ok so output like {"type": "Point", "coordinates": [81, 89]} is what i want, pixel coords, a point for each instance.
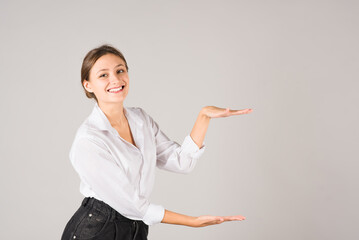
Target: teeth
{"type": "Point", "coordinates": [115, 89]}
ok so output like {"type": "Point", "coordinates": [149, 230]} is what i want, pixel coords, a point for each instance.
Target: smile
{"type": "Point", "coordinates": [116, 90]}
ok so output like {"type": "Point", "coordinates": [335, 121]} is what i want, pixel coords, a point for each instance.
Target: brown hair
{"type": "Point", "coordinates": [90, 59]}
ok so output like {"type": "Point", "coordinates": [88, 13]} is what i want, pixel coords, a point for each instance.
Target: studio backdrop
{"type": "Point", "coordinates": [290, 167]}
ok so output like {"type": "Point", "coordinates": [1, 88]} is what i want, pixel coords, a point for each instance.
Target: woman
{"type": "Point", "coordinates": [115, 152]}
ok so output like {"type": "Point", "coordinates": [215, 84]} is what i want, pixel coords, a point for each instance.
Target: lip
{"type": "Point", "coordinates": [117, 87]}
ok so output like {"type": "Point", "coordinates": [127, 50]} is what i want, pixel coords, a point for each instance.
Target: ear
{"type": "Point", "coordinates": [87, 86]}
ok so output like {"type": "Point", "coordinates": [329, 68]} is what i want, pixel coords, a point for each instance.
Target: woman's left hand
{"type": "Point", "coordinates": [216, 112]}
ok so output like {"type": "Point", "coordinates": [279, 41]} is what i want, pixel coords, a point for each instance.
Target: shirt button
{"type": "Point", "coordinates": [74, 237]}
{"type": "Point", "coordinates": [90, 215]}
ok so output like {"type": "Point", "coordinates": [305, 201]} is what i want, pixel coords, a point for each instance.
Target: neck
{"type": "Point", "coordinates": [114, 113]}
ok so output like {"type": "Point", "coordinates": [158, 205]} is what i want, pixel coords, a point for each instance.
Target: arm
{"type": "Point", "coordinates": [177, 218]}
{"type": "Point", "coordinates": [170, 155]}
{"type": "Point", "coordinates": [200, 128]}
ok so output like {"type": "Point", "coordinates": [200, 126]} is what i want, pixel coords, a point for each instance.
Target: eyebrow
{"type": "Point", "coordinates": [107, 69]}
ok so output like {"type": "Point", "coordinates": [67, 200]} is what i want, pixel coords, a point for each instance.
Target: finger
{"type": "Point", "coordinates": [240, 218]}
{"type": "Point", "coordinates": [235, 218]}
{"type": "Point", "coordinates": [243, 111]}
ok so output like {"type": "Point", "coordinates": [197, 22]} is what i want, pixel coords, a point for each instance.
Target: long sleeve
{"type": "Point", "coordinates": [172, 156]}
{"type": "Point", "coordinates": [96, 166]}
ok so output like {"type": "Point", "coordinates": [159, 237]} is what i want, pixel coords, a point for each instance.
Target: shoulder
{"type": "Point", "coordinates": [87, 130]}
{"type": "Point", "coordinates": [87, 142]}
{"type": "Point", "coordinates": [87, 135]}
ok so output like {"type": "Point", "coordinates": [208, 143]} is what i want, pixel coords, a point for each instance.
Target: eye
{"type": "Point", "coordinates": [103, 75]}
{"type": "Point", "coordinates": [120, 71]}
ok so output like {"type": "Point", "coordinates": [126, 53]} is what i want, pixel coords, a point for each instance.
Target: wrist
{"type": "Point", "coordinates": [203, 113]}
{"type": "Point", "coordinates": [179, 219]}
{"type": "Point", "coordinates": [191, 221]}
{"type": "Point", "coordinates": [194, 222]}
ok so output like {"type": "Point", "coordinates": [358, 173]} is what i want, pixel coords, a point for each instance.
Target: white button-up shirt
{"type": "Point", "coordinates": [122, 175]}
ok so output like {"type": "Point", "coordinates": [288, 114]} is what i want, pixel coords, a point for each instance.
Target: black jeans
{"type": "Point", "coordinates": [97, 220]}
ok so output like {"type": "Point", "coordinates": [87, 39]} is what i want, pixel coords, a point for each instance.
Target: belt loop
{"type": "Point", "coordinates": [86, 201]}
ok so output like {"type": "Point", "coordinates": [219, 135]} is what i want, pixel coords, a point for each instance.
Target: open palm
{"type": "Point", "coordinates": [207, 220]}
{"type": "Point", "coordinates": [216, 112]}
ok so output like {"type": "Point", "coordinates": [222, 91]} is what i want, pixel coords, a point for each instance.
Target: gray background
{"type": "Point", "coordinates": [290, 166]}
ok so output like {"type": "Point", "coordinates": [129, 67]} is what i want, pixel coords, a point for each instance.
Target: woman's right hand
{"type": "Point", "coordinates": [206, 220]}
{"type": "Point", "coordinates": [201, 221]}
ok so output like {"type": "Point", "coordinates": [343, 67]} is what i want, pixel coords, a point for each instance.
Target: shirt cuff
{"type": "Point", "coordinates": [190, 147]}
{"type": "Point", "coordinates": [154, 214]}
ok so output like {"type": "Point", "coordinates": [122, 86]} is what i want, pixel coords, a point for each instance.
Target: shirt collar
{"type": "Point", "coordinates": [99, 120]}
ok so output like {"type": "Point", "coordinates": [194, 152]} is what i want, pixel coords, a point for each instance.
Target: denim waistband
{"type": "Point", "coordinates": [105, 208]}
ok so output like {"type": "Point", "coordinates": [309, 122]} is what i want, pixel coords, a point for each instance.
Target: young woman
{"type": "Point", "coordinates": [115, 152]}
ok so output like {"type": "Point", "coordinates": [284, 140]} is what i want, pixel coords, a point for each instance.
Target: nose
{"type": "Point", "coordinates": [115, 78]}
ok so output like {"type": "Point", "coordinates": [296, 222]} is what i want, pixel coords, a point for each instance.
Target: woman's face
{"type": "Point", "coordinates": [107, 75]}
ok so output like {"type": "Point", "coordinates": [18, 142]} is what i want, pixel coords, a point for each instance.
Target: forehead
{"type": "Point", "coordinates": [108, 61]}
